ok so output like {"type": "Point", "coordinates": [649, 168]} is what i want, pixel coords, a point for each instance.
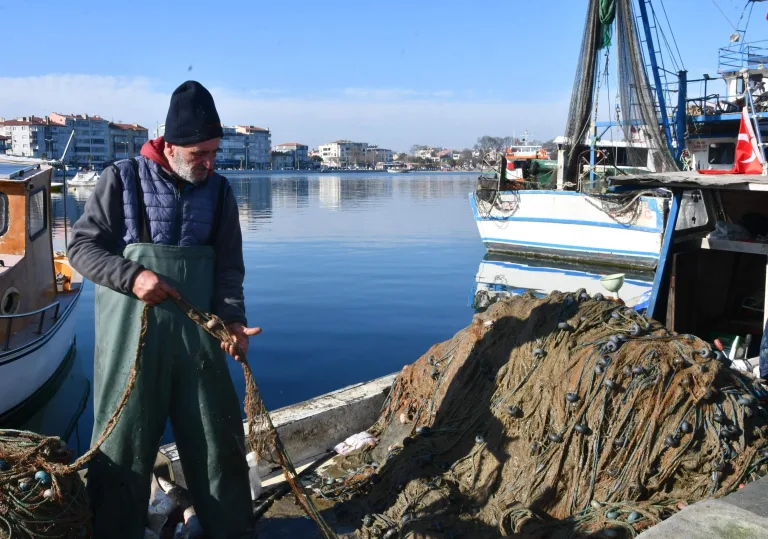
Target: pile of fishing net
{"type": "Point", "coordinates": [41, 494]}
{"type": "Point", "coordinates": [564, 416]}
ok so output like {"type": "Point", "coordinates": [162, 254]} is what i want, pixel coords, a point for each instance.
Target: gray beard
{"type": "Point", "coordinates": [185, 171]}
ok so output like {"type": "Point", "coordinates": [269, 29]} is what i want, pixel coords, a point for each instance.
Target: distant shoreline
{"type": "Point", "coordinates": [333, 172]}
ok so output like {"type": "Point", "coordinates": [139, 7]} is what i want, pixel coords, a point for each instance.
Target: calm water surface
{"type": "Point", "coordinates": [351, 277]}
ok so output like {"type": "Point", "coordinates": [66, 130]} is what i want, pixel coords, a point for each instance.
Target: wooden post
{"type": "Point", "coordinates": [765, 299]}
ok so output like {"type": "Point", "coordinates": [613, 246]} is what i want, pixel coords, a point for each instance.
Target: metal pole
{"type": "Point", "coordinates": [751, 104]}
{"type": "Point", "coordinates": [64, 198]}
{"type": "Point", "coordinates": [655, 70]}
{"type": "Point", "coordinates": [682, 99]}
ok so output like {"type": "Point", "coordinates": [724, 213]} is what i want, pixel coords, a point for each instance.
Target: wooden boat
{"type": "Point", "coordinates": [39, 290]}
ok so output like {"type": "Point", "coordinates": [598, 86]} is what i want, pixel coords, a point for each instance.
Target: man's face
{"type": "Point", "coordinates": [194, 161]}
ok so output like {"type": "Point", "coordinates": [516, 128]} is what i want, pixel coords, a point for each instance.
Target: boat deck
{"type": "Point", "coordinates": [37, 324]}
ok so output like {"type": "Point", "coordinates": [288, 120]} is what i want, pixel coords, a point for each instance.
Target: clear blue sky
{"type": "Point", "coordinates": [396, 73]}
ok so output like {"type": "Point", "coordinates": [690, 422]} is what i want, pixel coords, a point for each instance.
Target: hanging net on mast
{"type": "Point", "coordinates": [640, 113]}
{"type": "Point", "coordinates": [583, 93]}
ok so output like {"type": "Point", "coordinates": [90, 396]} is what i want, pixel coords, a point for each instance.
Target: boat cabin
{"type": "Point", "coordinates": [714, 112]}
{"type": "Point", "coordinates": [27, 272]}
{"type": "Point", "coordinates": [713, 268]}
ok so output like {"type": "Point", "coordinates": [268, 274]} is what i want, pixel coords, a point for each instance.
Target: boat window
{"type": "Point", "coordinates": [4, 220]}
{"type": "Point", "coordinates": [722, 153]}
{"type": "Point", "coordinates": [10, 302]}
{"type": "Point", "coordinates": [38, 218]}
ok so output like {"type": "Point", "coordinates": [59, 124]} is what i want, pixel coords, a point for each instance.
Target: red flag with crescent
{"type": "Point", "coordinates": [749, 157]}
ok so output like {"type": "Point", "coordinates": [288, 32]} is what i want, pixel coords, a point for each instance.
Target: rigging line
{"type": "Point", "coordinates": [674, 40]}
{"type": "Point", "coordinates": [660, 32]}
{"type": "Point", "coordinates": [749, 17]}
{"type": "Point", "coordinates": [669, 50]}
{"type": "Point", "coordinates": [724, 15]}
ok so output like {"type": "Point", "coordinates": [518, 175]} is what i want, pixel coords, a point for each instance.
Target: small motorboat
{"type": "Point", "coordinates": [84, 178]}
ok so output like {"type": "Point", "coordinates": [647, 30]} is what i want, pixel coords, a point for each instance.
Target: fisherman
{"type": "Point", "coordinates": [156, 226]}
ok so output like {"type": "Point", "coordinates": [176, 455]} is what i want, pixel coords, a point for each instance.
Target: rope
{"type": "Point", "coordinates": [41, 496]}
{"type": "Point", "coordinates": [263, 438]}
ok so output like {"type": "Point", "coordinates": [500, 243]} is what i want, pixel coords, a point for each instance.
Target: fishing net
{"type": "Point", "coordinates": [640, 114]}
{"type": "Point", "coordinates": [553, 417]}
{"type": "Point", "coordinates": [582, 94]}
{"type": "Point", "coordinates": [41, 493]}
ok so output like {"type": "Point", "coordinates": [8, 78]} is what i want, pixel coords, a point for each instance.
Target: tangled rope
{"type": "Point", "coordinates": [42, 496]}
{"type": "Point", "coordinates": [555, 417]}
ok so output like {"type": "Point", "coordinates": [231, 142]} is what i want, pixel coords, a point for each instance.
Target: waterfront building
{"type": "Point", "coordinates": [242, 146]}
{"type": "Point", "coordinates": [429, 153]}
{"type": "Point", "coordinates": [5, 144]}
{"type": "Point", "coordinates": [299, 153]}
{"type": "Point", "coordinates": [32, 136]}
{"type": "Point", "coordinates": [377, 156]}
{"type": "Point", "coordinates": [347, 153]}
{"type": "Point", "coordinates": [258, 145]}
{"type": "Point", "coordinates": [126, 140]}
{"type": "Point", "coordinates": [343, 153]}
{"type": "Point", "coordinates": [90, 147]}
{"type": "Point", "coordinates": [283, 160]}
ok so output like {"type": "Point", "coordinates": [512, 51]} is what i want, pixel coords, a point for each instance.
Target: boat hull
{"type": "Point", "coordinates": [568, 225]}
{"type": "Point", "coordinates": [28, 369]}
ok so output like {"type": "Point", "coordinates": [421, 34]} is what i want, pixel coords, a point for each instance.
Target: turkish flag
{"type": "Point", "coordinates": [749, 157]}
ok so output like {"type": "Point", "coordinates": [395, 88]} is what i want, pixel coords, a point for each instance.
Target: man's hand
{"type": "Point", "coordinates": [151, 289]}
{"type": "Point", "coordinates": [240, 335]}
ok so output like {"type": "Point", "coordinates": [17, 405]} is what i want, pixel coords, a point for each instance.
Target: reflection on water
{"type": "Point", "coordinates": [501, 276]}
{"type": "Point", "coordinates": [351, 277]}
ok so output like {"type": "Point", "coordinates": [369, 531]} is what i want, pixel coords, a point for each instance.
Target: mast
{"type": "Point", "coordinates": [655, 70]}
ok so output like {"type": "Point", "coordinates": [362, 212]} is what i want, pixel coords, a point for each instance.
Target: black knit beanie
{"type": "Point", "coordinates": [192, 116]}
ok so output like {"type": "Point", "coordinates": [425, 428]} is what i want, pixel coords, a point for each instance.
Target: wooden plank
{"type": "Point", "coordinates": [765, 298]}
{"type": "Point", "coordinates": [735, 246]}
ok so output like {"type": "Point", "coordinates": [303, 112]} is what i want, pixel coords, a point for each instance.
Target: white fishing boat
{"type": "Point", "coordinates": [84, 178]}
{"type": "Point", "coordinates": [576, 217]}
{"type": "Point", "coordinates": [39, 290]}
{"type": "Point", "coordinates": [397, 168]}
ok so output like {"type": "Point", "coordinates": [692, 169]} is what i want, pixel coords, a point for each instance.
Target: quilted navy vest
{"type": "Point", "coordinates": [185, 218]}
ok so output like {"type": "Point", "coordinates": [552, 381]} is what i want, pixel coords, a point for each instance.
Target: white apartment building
{"type": "Point", "coordinates": [32, 136]}
{"type": "Point", "coordinates": [244, 146]}
{"type": "Point", "coordinates": [342, 153]}
{"type": "Point", "coordinates": [427, 153]}
{"type": "Point", "coordinates": [347, 153]}
{"type": "Point", "coordinates": [90, 147]}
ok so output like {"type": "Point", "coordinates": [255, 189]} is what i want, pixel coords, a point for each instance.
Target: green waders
{"type": "Point", "coordinates": [183, 377]}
